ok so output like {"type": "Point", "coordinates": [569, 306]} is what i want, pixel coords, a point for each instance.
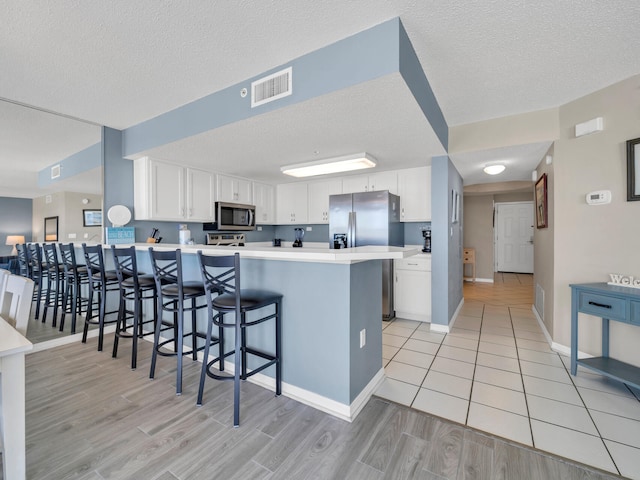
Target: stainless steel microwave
{"type": "Point", "coordinates": [233, 216]}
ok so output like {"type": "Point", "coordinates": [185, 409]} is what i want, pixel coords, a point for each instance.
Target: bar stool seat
{"type": "Point", "coordinates": [224, 296]}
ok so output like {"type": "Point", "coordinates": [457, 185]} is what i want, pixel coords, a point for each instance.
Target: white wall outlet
{"type": "Point", "coordinates": [363, 337]}
{"type": "Point", "coordinates": [259, 228]}
{"type": "Point", "coordinates": [86, 235]}
{"type": "Point", "coordinates": [309, 229]}
{"type": "Point", "coordinates": [72, 235]}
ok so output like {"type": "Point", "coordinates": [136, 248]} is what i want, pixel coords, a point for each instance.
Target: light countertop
{"type": "Point", "coordinates": [310, 252]}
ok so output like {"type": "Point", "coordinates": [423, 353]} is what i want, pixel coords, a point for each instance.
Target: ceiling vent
{"type": "Point", "coordinates": [55, 171]}
{"type": "Point", "coordinates": [271, 87]}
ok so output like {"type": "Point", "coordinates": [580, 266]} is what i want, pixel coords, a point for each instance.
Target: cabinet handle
{"type": "Point", "coordinates": [596, 304]}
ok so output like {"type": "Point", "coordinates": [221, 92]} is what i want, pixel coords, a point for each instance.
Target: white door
{"type": "Point", "coordinates": [514, 237]}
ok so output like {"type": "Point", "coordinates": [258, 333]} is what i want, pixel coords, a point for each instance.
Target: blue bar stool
{"type": "Point", "coordinates": [101, 282]}
{"type": "Point", "coordinates": [221, 278]}
{"type": "Point", "coordinates": [177, 297]}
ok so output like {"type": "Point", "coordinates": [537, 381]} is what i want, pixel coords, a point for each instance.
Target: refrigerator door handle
{"type": "Point", "coordinates": [351, 230]}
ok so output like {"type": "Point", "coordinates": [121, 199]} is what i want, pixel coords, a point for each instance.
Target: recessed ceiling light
{"type": "Point", "coordinates": [494, 169]}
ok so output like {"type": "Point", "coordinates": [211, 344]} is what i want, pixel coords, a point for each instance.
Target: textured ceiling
{"type": "Point", "coordinates": [120, 62]}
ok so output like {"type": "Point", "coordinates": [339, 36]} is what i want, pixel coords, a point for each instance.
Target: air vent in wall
{"type": "Point", "coordinates": [271, 87]}
{"type": "Point", "coordinates": [55, 171]}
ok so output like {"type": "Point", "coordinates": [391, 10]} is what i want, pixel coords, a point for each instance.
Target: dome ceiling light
{"type": "Point", "coordinates": [494, 169]}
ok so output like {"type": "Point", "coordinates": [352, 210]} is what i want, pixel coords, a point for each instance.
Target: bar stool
{"type": "Point", "coordinates": [173, 295]}
{"type": "Point", "coordinates": [55, 283]}
{"type": "Point", "coordinates": [75, 277]}
{"type": "Point", "coordinates": [38, 274]}
{"type": "Point", "coordinates": [136, 287]}
{"type": "Point", "coordinates": [224, 295]}
{"type": "Point", "coordinates": [101, 282]}
{"type": "Point", "coordinates": [24, 269]}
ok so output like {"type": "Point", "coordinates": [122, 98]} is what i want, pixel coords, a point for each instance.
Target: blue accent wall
{"type": "Point", "coordinates": [16, 218]}
{"type": "Point", "coordinates": [79, 162]}
{"type": "Point", "coordinates": [446, 241]}
{"type": "Point", "coordinates": [413, 74]}
{"type": "Point", "coordinates": [364, 56]}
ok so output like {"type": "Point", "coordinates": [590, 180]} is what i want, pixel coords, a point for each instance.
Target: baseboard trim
{"type": "Point", "coordinates": [556, 347]}
{"type": "Point", "coordinates": [332, 407]}
{"type": "Point", "coordinates": [479, 280]}
{"type": "Point", "coordinates": [437, 328]}
{"type": "Point", "coordinates": [67, 339]}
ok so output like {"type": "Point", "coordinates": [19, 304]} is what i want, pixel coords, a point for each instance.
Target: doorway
{"type": "Point", "coordinates": [514, 237]}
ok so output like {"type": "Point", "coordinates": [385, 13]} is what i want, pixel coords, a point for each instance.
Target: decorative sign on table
{"type": "Point", "coordinates": [624, 280]}
{"type": "Point", "coordinates": [120, 235]}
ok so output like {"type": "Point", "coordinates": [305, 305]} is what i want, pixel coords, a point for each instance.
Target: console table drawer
{"type": "Point", "coordinates": [603, 306]}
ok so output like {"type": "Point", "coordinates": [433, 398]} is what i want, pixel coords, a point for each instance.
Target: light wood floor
{"type": "Point", "coordinates": [91, 417]}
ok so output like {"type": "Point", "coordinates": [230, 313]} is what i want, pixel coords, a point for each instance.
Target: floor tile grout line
{"type": "Point", "coordinates": [524, 391]}
{"type": "Point", "coordinates": [475, 366]}
{"type": "Point", "coordinates": [591, 417]}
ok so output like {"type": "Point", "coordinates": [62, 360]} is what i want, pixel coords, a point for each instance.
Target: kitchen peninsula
{"type": "Point", "coordinates": [330, 298]}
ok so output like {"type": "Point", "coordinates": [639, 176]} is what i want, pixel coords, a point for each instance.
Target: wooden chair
{"type": "Point", "coordinates": [16, 302]}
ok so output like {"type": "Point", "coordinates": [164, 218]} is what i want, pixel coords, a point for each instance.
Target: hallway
{"type": "Point", "coordinates": [496, 372]}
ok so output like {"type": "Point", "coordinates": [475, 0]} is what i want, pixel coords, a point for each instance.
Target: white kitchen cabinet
{"type": "Point", "coordinates": [263, 198]}
{"type": "Point", "coordinates": [412, 289]}
{"type": "Point", "coordinates": [234, 189]}
{"type": "Point", "coordinates": [318, 195]}
{"type": "Point", "coordinates": [371, 183]}
{"type": "Point", "coordinates": [166, 191]}
{"type": "Point", "coordinates": [414, 189]}
{"type": "Point", "coordinates": [291, 203]}
{"type": "Point", "coordinates": [200, 195]}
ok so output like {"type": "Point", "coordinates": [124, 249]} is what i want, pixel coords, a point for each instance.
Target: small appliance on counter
{"type": "Point", "coordinates": [339, 240]}
{"type": "Point", "coordinates": [426, 234]}
{"type": "Point", "coordinates": [184, 235]}
{"type": "Point", "coordinates": [299, 232]}
{"type": "Point", "coordinates": [226, 239]}
{"type": "Point", "coordinates": [277, 242]}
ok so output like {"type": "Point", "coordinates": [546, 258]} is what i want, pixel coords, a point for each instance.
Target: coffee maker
{"type": "Point", "coordinates": [426, 234]}
{"type": "Point", "coordinates": [299, 233]}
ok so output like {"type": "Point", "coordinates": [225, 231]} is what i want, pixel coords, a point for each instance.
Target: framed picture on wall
{"type": "Point", "coordinates": [541, 202]}
{"type": "Point", "coordinates": [91, 218]}
{"type": "Point", "coordinates": [633, 170]}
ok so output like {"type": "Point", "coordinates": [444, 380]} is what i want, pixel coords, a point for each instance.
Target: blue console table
{"type": "Point", "coordinates": [610, 302]}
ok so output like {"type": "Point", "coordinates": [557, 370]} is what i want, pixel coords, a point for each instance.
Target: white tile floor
{"type": "Point", "coordinates": [496, 372]}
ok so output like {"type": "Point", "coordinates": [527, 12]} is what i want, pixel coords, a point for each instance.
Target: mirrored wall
{"type": "Point", "coordinates": [50, 168]}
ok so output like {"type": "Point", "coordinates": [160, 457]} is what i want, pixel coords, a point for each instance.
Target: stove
{"type": "Point", "coordinates": [226, 239]}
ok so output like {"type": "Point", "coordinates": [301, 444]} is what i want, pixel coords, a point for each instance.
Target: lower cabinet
{"type": "Point", "coordinates": [412, 289]}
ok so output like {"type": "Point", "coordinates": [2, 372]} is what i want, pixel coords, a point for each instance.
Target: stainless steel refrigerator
{"type": "Point", "coordinates": [368, 218]}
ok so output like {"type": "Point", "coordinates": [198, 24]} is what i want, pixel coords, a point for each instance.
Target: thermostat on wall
{"type": "Point", "coordinates": [599, 198]}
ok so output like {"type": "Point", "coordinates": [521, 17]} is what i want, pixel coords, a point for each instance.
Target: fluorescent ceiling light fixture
{"type": "Point", "coordinates": [330, 165]}
{"type": "Point", "coordinates": [494, 169]}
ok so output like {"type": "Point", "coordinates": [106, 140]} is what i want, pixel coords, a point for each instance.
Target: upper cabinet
{"type": "Point", "coordinates": [164, 191]}
{"type": "Point", "coordinates": [291, 203]}
{"type": "Point", "coordinates": [371, 183]}
{"type": "Point", "coordinates": [318, 194]}
{"type": "Point", "coordinates": [263, 198]}
{"type": "Point", "coordinates": [200, 195]}
{"type": "Point", "coordinates": [414, 189]}
{"type": "Point", "coordinates": [234, 189]}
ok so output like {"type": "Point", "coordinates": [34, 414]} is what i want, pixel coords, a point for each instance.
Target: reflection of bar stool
{"type": "Point", "coordinates": [136, 287]}
{"type": "Point", "coordinates": [225, 296]}
{"type": "Point", "coordinates": [75, 277]}
{"type": "Point", "coordinates": [101, 282]}
{"type": "Point", "coordinates": [55, 284]}
{"type": "Point", "coordinates": [173, 294]}
{"type": "Point", "coordinates": [469, 258]}
{"type": "Point", "coordinates": [38, 274]}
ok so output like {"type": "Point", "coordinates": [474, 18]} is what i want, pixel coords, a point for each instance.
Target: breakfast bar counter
{"type": "Point", "coordinates": [331, 314]}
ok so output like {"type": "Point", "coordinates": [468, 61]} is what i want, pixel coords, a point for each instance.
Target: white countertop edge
{"type": "Point", "coordinates": [304, 254]}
